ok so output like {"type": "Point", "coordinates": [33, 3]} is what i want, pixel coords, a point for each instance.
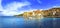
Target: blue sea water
{"type": "Point", "coordinates": [20, 22]}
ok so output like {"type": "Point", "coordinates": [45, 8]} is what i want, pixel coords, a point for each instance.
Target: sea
{"type": "Point", "coordinates": [20, 22]}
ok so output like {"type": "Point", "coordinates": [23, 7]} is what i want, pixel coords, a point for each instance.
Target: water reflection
{"type": "Point", "coordinates": [13, 22]}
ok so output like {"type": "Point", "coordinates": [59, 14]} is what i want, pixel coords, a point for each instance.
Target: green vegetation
{"type": "Point", "coordinates": [19, 15]}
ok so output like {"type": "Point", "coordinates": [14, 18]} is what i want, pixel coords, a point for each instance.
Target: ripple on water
{"type": "Point", "coordinates": [21, 22]}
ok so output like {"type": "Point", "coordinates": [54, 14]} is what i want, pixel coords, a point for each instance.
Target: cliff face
{"type": "Point", "coordinates": [53, 12]}
{"type": "Point", "coordinates": [36, 14]}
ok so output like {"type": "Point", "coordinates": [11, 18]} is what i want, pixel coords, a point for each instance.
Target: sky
{"type": "Point", "coordinates": [15, 7]}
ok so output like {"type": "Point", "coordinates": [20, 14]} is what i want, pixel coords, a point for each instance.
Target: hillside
{"type": "Point", "coordinates": [52, 12]}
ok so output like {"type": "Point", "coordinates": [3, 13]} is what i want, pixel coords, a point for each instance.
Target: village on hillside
{"type": "Point", "coordinates": [52, 12]}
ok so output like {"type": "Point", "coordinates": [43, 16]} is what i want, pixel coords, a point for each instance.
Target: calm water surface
{"type": "Point", "coordinates": [19, 22]}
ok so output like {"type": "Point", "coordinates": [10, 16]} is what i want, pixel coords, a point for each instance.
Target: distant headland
{"type": "Point", "coordinates": [52, 12]}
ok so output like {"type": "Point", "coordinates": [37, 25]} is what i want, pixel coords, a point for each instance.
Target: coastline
{"type": "Point", "coordinates": [52, 12]}
{"type": "Point", "coordinates": [53, 16]}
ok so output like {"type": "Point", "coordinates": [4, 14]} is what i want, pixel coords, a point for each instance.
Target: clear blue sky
{"type": "Point", "coordinates": [24, 5]}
